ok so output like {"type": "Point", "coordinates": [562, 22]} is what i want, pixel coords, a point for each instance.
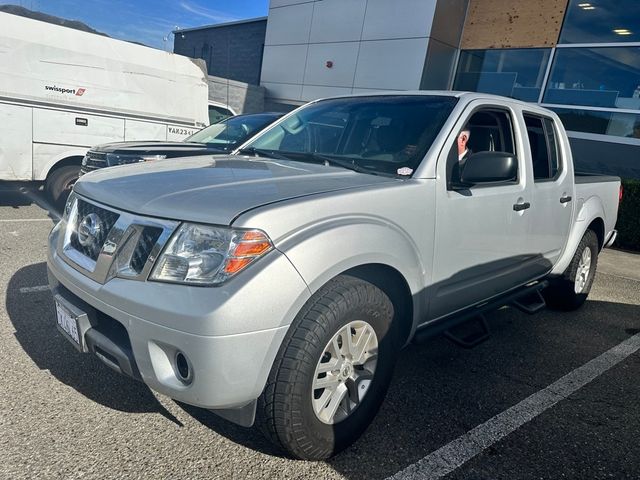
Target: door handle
{"type": "Point", "coordinates": [565, 199]}
{"type": "Point", "coordinates": [521, 206]}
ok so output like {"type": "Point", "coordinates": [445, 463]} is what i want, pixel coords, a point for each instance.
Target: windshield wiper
{"type": "Point", "coordinates": [313, 157]}
{"type": "Point", "coordinates": [339, 162]}
{"type": "Point", "coordinates": [336, 161]}
{"type": "Point", "coordinates": [262, 152]}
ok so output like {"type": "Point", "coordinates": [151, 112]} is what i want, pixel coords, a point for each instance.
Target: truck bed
{"type": "Point", "coordinates": [582, 178]}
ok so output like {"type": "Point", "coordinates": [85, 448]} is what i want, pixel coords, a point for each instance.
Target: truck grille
{"type": "Point", "coordinates": [104, 243]}
{"type": "Point", "coordinates": [92, 225]}
{"type": "Point", "coordinates": [93, 161]}
{"type": "Point", "coordinates": [146, 242]}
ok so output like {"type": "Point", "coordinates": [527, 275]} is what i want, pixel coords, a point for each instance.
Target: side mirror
{"type": "Point", "coordinates": [490, 167]}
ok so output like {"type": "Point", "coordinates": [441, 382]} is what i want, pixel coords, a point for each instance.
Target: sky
{"type": "Point", "coordinates": [147, 21]}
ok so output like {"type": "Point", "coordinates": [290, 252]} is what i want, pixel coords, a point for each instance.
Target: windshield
{"type": "Point", "coordinates": [231, 132]}
{"type": "Point", "coordinates": [377, 134]}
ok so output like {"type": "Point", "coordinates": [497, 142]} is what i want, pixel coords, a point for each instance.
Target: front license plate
{"type": "Point", "coordinates": [68, 323]}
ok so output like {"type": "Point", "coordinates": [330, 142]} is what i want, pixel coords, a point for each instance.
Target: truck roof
{"type": "Point", "coordinates": [469, 96]}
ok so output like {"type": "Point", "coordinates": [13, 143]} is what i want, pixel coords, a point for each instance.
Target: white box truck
{"type": "Point", "coordinates": [63, 91]}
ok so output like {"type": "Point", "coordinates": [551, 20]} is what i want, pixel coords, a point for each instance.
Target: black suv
{"type": "Point", "coordinates": [220, 137]}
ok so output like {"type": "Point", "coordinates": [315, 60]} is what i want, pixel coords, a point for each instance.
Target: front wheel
{"type": "Point", "coordinates": [332, 371]}
{"type": "Point", "coordinates": [571, 290]}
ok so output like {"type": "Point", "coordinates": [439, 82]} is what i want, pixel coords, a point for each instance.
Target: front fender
{"type": "Point", "coordinates": [325, 250]}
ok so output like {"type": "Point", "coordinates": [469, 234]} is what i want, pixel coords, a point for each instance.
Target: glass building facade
{"type": "Point", "coordinates": [591, 78]}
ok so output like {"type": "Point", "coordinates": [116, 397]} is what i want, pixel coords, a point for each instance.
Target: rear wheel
{"type": "Point", "coordinates": [332, 372]}
{"type": "Point", "coordinates": [60, 182]}
{"type": "Point", "coordinates": [571, 290]}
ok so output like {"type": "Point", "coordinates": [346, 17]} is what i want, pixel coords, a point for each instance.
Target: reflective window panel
{"type": "Point", "coordinates": [604, 123]}
{"type": "Point", "coordinates": [604, 21]}
{"type": "Point", "coordinates": [516, 73]}
{"type": "Point", "coordinates": [600, 77]}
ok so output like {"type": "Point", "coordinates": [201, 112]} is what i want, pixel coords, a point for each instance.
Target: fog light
{"type": "Point", "coordinates": [183, 369]}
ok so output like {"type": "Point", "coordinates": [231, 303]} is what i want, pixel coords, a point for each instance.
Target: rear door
{"type": "Point", "coordinates": [552, 205]}
{"type": "Point", "coordinates": [481, 245]}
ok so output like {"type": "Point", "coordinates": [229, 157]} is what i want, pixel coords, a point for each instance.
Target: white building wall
{"type": "Point", "coordinates": [372, 44]}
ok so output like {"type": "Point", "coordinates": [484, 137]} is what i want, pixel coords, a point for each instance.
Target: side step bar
{"type": "Point", "coordinates": [527, 299]}
{"type": "Point", "coordinates": [530, 303]}
{"type": "Point", "coordinates": [474, 336]}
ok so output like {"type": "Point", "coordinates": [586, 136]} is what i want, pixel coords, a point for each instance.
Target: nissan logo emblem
{"type": "Point", "coordinates": [89, 229]}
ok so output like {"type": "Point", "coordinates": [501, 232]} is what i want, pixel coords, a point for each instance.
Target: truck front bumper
{"type": "Point", "coordinates": [228, 335]}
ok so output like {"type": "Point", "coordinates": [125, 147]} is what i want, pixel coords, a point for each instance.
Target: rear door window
{"type": "Point", "coordinates": [543, 143]}
{"type": "Point", "coordinates": [554, 150]}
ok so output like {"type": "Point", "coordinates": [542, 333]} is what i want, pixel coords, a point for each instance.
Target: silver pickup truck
{"type": "Point", "coordinates": [277, 285]}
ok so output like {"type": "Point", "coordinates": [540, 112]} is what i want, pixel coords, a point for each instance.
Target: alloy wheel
{"type": "Point", "coordinates": [344, 372]}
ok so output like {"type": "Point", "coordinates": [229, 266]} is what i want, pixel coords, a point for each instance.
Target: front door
{"type": "Point", "coordinates": [481, 246]}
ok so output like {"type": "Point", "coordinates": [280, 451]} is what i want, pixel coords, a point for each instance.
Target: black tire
{"type": "Point", "coordinates": [561, 293]}
{"type": "Point", "coordinates": [285, 412]}
{"type": "Point", "coordinates": [60, 182]}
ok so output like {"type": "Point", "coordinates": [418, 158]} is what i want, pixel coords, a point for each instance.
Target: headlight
{"type": "Point", "coordinates": [71, 199]}
{"type": "Point", "coordinates": [125, 159]}
{"type": "Point", "coordinates": [207, 255]}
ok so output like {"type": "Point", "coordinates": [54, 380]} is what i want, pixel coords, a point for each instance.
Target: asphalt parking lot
{"type": "Point", "coordinates": [66, 415]}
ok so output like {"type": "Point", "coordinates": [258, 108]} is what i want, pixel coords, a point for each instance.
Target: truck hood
{"type": "Point", "coordinates": [214, 189]}
{"type": "Point", "coordinates": [170, 149]}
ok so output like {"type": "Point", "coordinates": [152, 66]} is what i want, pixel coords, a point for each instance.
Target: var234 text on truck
{"type": "Point", "coordinates": [278, 284]}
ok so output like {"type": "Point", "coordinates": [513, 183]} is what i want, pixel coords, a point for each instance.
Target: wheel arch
{"type": "Point", "coordinates": [590, 216]}
{"type": "Point", "coordinates": [597, 225]}
{"type": "Point", "coordinates": [69, 158]}
{"type": "Point", "coordinates": [368, 248]}
{"type": "Point", "coordinates": [395, 286]}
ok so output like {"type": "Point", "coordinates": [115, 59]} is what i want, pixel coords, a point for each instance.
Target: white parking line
{"type": "Point", "coordinates": [456, 453]}
{"type": "Point", "coordinates": [38, 288]}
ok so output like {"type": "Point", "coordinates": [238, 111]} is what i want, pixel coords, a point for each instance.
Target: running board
{"type": "Point", "coordinates": [528, 297]}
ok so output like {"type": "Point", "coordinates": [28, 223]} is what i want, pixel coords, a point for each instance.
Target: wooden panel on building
{"type": "Point", "coordinates": [513, 23]}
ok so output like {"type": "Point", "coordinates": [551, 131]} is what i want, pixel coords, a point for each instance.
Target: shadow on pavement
{"type": "Point", "coordinates": [16, 195]}
{"type": "Point", "coordinates": [12, 195]}
{"type": "Point", "coordinates": [247, 437]}
{"type": "Point", "coordinates": [33, 317]}
{"type": "Point", "coordinates": [440, 391]}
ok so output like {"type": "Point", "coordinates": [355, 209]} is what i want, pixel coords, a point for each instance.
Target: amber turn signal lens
{"type": "Point", "coordinates": [251, 249]}
{"type": "Point", "coordinates": [234, 265]}
{"type": "Point", "coordinates": [253, 235]}
{"type": "Point", "coordinates": [250, 246]}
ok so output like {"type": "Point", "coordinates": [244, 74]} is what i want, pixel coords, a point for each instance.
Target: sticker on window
{"type": "Point", "coordinates": [405, 171]}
